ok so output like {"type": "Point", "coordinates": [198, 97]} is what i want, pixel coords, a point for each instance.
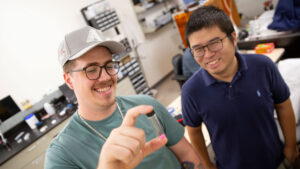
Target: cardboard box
{"type": "Point", "coordinates": [264, 48]}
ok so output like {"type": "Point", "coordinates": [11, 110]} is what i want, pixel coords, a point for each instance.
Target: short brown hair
{"type": "Point", "coordinates": [68, 65]}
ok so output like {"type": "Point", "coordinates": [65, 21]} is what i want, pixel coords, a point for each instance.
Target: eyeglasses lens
{"type": "Point", "coordinates": [94, 72]}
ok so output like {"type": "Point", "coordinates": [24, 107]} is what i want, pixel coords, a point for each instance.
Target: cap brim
{"type": "Point", "coordinates": [113, 46]}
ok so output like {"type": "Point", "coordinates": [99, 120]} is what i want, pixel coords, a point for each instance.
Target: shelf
{"type": "Point", "coordinates": [121, 56]}
{"type": "Point", "coordinates": [148, 30]}
{"type": "Point", "coordinates": [140, 9]}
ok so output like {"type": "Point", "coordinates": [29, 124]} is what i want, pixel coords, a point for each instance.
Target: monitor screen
{"type": "Point", "coordinates": [68, 93]}
{"type": "Point", "coordinates": [189, 2]}
{"type": "Point", "coordinates": [8, 108]}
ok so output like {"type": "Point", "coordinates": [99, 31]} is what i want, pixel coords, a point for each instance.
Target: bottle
{"type": "Point", "coordinates": [49, 108]}
{"type": "Point", "coordinates": [4, 142]}
{"type": "Point", "coordinates": [31, 120]}
{"type": "Point", "coordinates": [156, 125]}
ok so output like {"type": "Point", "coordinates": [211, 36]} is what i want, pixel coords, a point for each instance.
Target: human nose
{"type": "Point", "coordinates": [103, 74]}
{"type": "Point", "coordinates": [207, 52]}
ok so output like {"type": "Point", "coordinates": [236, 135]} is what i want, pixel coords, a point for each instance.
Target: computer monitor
{"type": "Point", "coordinates": [8, 108]}
{"type": "Point", "coordinates": [188, 2]}
{"type": "Point", "coordinates": [68, 93]}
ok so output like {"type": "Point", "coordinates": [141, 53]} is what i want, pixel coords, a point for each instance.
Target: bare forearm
{"type": "Point", "coordinates": [288, 128]}
{"type": "Point", "coordinates": [186, 154]}
{"type": "Point", "coordinates": [190, 160]}
{"type": "Point", "coordinates": [190, 165]}
{"type": "Point", "coordinates": [109, 166]}
{"type": "Point", "coordinates": [287, 123]}
{"type": "Point", "coordinates": [198, 143]}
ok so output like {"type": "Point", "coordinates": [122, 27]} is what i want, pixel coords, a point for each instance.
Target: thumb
{"type": "Point", "coordinates": [155, 144]}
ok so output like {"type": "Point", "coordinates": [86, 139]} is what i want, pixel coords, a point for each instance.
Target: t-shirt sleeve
{"type": "Point", "coordinates": [190, 111]}
{"type": "Point", "coordinates": [173, 130]}
{"type": "Point", "coordinates": [279, 88]}
{"type": "Point", "coordinates": [56, 160]}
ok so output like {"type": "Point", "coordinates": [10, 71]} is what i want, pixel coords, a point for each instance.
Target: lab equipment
{"type": "Point", "coordinates": [155, 123]}
{"type": "Point", "coordinates": [49, 108]}
{"type": "Point", "coordinates": [31, 120]}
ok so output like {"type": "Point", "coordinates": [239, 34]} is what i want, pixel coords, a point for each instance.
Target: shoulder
{"type": "Point", "coordinates": [257, 59]}
{"type": "Point", "coordinates": [67, 134]}
{"type": "Point", "coordinates": [58, 147]}
{"type": "Point", "coordinates": [260, 63]}
{"type": "Point", "coordinates": [63, 144]}
{"type": "Point", "coordinates": [195, 81]}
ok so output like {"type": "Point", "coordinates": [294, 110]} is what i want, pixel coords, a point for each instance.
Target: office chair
{"type": "Point", "coordinates": [177, 65]}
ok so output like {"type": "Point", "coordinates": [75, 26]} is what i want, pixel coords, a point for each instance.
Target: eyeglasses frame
{"type": "Point", "coordinates": [206, 46]}
{"type": "Point", "coordinates": [104, 66]}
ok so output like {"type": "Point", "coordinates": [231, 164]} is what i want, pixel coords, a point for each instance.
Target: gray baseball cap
{"type": "Point", "coordinates": [80, 41]}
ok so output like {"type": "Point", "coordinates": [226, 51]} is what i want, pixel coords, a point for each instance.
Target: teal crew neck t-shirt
{"type": "Point", "coordinates": [77, 146]}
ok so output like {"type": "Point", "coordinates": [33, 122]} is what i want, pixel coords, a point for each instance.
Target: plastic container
{"type": "Point", "coordinates": [31, 120]}
{"type": "Point", "coordinates": [49, 108]}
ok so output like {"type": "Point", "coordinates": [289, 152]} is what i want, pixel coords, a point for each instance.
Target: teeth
{"type": "Point", "coordinates": [103, 89]}
{"type": "Point", "coordinates": [213, 62]}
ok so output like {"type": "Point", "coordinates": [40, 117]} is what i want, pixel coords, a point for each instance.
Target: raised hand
{"type": "Point", "coordinates": [125, 148]}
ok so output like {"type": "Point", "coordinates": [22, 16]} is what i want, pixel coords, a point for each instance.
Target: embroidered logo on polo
{"type": "Point", "coordinates": [258, 93]}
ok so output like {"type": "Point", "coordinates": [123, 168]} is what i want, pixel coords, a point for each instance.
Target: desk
{"type": "Point", "coordinates": [280, 41]}
{"type": "Point", "coordinates": [30, 154]}
{"type": "Point", "coordinates": [176, 104]}
{"type": "Point", "coordinates": [275, 55]}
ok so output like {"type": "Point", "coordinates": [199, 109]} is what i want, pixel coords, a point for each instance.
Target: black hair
{"type": "Point", "coordinates": [208, 16]}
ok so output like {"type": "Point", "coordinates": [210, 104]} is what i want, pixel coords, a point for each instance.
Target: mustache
{"type": "Point", "coordinates": [104, 83]}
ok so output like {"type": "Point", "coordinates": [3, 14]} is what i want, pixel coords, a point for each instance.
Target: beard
{"type": "Point", "coordinates": [108, 103]}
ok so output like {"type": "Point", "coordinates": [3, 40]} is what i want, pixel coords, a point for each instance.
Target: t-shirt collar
{"type": "Point", "coordinates": [209, 80]}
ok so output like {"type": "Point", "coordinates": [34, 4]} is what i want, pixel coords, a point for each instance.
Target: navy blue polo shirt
{"type": "Point", "coordinates": [239, 115]}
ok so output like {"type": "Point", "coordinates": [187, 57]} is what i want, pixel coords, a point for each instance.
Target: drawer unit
{"type": "Point", "coordinates": [133, 70]}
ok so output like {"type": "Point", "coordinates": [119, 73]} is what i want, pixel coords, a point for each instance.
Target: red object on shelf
{"type": "Point", "coordinates": [264, 48]}
{"type": "Point", "coordinates": [268, 3]}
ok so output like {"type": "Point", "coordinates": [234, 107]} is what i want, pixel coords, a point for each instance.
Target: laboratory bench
{"type": "Point", "coordinates": [26, 147]}
{"type": "Point", "coordinates": [282, 40]}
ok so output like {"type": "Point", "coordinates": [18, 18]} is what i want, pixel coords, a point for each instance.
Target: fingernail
{"type": "Point", "coordinates": [163, 136]}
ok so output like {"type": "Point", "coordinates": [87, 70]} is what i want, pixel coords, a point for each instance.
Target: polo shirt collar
{"type": "Point", "coordinates": [209, 80]}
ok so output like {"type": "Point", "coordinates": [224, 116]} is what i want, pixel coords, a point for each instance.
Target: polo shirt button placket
{"type": "Point", "coordinates": [230, 92]}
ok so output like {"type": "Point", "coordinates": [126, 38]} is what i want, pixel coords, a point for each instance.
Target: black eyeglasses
{"type": "Point", "coordinates": [214, 46]}
{"type": "Point", "coordinates": [93, 72]}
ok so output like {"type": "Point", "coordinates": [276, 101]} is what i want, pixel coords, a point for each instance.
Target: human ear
{"type": "Point", "coordinates": [68, 80]}
{"type": "Point", "coordinates": [234, 38]}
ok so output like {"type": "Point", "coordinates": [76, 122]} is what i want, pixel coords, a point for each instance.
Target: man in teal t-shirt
{"type": "Point", "coordinates": [77, 138]}
{"type": "Point", "coordinates": [110, 132]}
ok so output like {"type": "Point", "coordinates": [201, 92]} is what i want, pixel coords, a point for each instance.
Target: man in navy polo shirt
{"type": "Point", "coordinates": [235, 96]}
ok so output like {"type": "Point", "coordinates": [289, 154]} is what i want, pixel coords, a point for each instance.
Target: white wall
{"type": "Point", "coordinates": [30, 33]}
{"type": "Point", "coordinates": [252, 8]}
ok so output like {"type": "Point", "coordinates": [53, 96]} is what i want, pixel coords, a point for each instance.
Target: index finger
{"type": "Point", "coordinates": [133, 113]}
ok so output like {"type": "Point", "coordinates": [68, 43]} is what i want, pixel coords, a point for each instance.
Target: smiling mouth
{"type": "Point", "coordinates": [105, 89]}
{"type": "Point", "coordinates": [213, 62]}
